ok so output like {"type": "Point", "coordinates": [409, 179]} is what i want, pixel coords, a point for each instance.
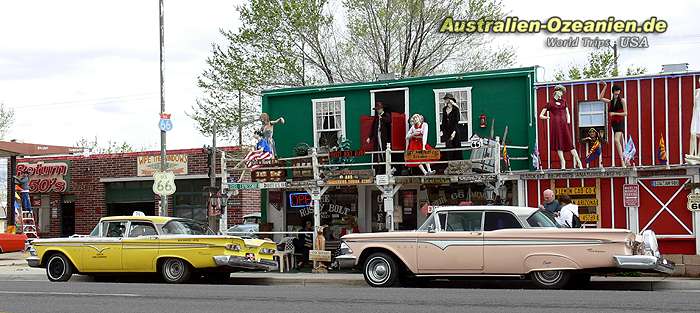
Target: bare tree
{"type": "Point", "coordinates": [7, 118]}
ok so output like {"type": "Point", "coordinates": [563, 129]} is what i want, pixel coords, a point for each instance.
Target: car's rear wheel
{"type": "Point", "coordinates": [551, 279]}
{"type": "Point", "coordinates": [381, 270]}
{"type": "Point", "coordinates": [175, 271]}
{"type": "Point", "coordinates": [59, 268]}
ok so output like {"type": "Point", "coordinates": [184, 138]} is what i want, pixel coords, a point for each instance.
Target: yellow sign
{"type": "Point", "coordinates": [422, 155]}
{"type": "Point", "coordinates": [147, 165]}
{"type": "Point", "coordinates": [585, 202]}
{"type": "Point", "coordinates": [588, 217]}
{"type": "Point", "coordinates": [575, 191]}
{"type": "Point", "coordinates": [320, 255]}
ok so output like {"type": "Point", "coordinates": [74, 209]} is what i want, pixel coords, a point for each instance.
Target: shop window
{"type": "Point", "coordinates": [464, 101]}
{"type": "Point", "coordinates": [329, 121]}
{"type": "Point", "coordinates": [500, 220]}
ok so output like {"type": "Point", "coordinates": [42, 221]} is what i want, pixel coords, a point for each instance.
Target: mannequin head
{"type": "Point", "coordinates": [593, 134]}
{"type": "Point", "coordinates": [264, 118]}
{"type": "Point", "coordinates": [449, 99]}
{"type": "Point", "coordinates": [616, 91]}
{"type": "Point", "coordinates": [379, 107]}
{"type": "Point", "coordinates": [559, 91]}
{"type": "Point", "coordinates": [417, 119]}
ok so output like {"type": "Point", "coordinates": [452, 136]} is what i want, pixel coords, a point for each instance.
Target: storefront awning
{"type": "Point", "coordinates": [10, 148]}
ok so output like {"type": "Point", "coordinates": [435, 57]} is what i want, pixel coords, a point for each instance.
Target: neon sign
{"type": "Point", "coordinates": [299, 199]}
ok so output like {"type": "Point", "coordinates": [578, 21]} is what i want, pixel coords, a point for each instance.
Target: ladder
{"type": "Point", "coordinates": [28, 225]}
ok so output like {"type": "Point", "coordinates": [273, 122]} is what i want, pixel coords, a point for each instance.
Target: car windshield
{"type": "Point", "coordinates": [540, 219]}
{"type": "Point", "coordinates": [186, 227]}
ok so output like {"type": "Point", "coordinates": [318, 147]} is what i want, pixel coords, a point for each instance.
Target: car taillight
{"type": "Point", "coordinates": [267, 251]}
{"type": "Point", "coordinates": [233, 247]}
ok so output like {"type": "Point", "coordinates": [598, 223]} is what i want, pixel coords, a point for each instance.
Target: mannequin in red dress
{"type": "Point", "coordinates": [557, 112]}
{"type": "Point", "coordinates": [417, 139]}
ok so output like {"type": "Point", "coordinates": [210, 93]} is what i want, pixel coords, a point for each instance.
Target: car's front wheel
{"type": "Point", "coordinates": [551, 279]}
{"type": "Point", "coordinates": [380, 270]}
{"type": "Point", "coordinates": [175, 271]}
{"type": "Point", "coordinates": [59, 268]}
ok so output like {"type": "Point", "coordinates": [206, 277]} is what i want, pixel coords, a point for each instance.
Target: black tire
{"type": "Point", "coordinates": [175, 271]}
{"type": "Point", "coordinates": [551, 279]}
{"type": "Point", "coordinates": [59, 268]}
{"type": "Point", "coordinates": [381, 270]}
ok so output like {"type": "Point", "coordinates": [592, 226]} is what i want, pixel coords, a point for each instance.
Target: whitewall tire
{"type": "Point", "coordinates": [59, 268]}
{"type": "Point", "coordinates": [380, 270]}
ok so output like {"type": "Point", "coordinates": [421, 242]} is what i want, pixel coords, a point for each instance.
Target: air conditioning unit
{"type": "Point", "coordinates": [678, 67]}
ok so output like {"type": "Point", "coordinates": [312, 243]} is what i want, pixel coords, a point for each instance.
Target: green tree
{"type": "Point", "coordinates": [600, 64]}
{"type": "Point", "coordinates": [94, 147]}
{"type": "Point", "coordinates": [400, 36]}
{"type": "Point", "coordinates": [7, 118]}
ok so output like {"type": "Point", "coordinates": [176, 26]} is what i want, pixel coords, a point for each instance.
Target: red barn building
{"type": "Point", "coordinates": [657, 105]}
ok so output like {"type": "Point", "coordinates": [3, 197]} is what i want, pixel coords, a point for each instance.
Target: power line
{"type": "Point", "coordinates": [112, 98]}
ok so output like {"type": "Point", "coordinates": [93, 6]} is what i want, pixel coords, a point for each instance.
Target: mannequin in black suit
{"type": "Point", "coordinates": [448, 127]}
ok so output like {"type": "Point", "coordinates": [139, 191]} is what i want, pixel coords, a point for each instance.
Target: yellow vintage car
{"type": "Point", "coordinates": [174, 247]}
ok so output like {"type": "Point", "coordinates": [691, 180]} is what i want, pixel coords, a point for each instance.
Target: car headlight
{"type": "Point", "coordinates": [267, 251]}
{"type": "Point", "coordinates": [32, 251]}
{"type": "Point", "coordinates": [345, 248]}
{"type": "Point", "coordinates": [651, 246]}
{"type": "Point", "coordinates": [233, 247]}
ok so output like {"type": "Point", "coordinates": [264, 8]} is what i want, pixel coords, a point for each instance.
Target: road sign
{"type": "Point", "coordinates": [630, 195]}
{"type": "Point", "coordinates": [273, 185]}
{"type": "Point", "coordinates": [165, 124]}
{"type": "Point", "coordinates": [248, 186]}
{"type": "Point", "coordinates": [694, 201]}
{"type": "Point", "coordinates": [164, 183]}
{"type": "Point", "coordinates": [382, 180]}
{"type": "Point", "coordinates": [315, 194]}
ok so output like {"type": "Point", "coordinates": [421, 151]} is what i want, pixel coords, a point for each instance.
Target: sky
{"type": "Point", "coordinates": [89, 69]}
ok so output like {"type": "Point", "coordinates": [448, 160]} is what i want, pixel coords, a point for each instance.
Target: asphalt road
{"type": "Point", "coordinates": [43, 296]}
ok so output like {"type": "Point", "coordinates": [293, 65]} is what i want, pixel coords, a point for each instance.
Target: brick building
{"type": "Point", "coordinates": [71, 193]}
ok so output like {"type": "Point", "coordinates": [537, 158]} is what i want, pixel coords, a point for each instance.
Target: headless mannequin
{"type": "Point", "coordinates": [558, 94]}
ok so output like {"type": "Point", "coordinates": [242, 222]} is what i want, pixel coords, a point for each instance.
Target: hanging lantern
{"type": "Point", "coordinates": [482, 120]}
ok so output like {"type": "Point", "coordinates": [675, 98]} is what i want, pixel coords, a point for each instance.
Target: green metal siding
{"type": "Point", "coordinates": [503, 95]}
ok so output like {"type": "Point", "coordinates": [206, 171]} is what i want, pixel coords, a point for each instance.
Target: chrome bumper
{"type": "Point", "coordinates": [346, 261]}
{"type": "Point", "coordinates": [241, 262]}
{"type": "Point", "coordinates": [644, 263]}
{"type": "Point", "coordinates": [33, 261]}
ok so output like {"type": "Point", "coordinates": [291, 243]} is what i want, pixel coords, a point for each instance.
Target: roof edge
{"type": "Point", "coordinates": [641, 76]}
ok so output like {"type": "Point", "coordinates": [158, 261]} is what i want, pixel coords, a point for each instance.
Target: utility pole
{"type": "Point", "coordinates": [614, 47]}
{"type": "Point", "coordinates": [214, 219]}
{"type": "Point", "coordinates": [163, 199]}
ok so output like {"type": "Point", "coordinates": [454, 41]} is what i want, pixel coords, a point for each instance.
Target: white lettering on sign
{"type": "Point", "coordinates": [666, 183]}
{"type": "Point", "coordinates": [630, 195]}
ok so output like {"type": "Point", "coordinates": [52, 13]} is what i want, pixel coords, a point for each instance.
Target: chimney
{"type": "Point", "coordinates": [678, 67]}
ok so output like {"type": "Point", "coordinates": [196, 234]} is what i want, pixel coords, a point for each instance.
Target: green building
{"type": "Point", "coordinates": [321, 115]}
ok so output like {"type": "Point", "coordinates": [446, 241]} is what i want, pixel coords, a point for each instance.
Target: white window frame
{"type": "Point", "coordinates": [314, 104]}
{"type": "Point", "coordinates": [406, 106]}
{"type": "Point", "coordinates": [580, 113]}
{"type": "Point", "coordinates": [438, 111]}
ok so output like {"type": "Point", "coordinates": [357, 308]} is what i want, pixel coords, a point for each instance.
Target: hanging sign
{"type": "Point", "coordinates": [422, 155]}
{"type": "Point", "coordinates": [263, 175]}
{"type": "Point", "coordinates": [381, 180]}
{"type": "Point", "coordinates": [585, 202]}
{"type": "Point", "coordinates": [346, 154]}
{"type": "Point", "coordinates": [588, 217]}
{"type": "Point", "coordinates": [273, 185]}
{"type": "Point", "coordinates": [165, 124]}
{"type": "Point", "coordinates": [163, 183]}
{"type": "Point", "coordinates": [349, 177]}
{"type": "Point", "coordinates": [575, 191]}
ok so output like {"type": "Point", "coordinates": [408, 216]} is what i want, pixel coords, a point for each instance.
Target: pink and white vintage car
{"type": "Point", "coordinates": [499, 241]}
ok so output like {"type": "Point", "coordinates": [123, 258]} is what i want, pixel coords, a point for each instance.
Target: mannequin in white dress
{"type": "Point", "coordinates": [694, 155]}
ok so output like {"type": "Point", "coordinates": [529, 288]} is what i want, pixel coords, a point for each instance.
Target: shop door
{"type": "Point", "coordinates": [662, 208]}
{"type": "Point", "coordinates": [67, 219]}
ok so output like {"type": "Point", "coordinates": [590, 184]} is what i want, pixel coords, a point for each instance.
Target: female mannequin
{"type": "Point", "coordinates": [560, 122]}
{"type": "Point", "coordinates": [417, 139]}
{"type": "Point", "coordinates": [617, 113]}
{"type": "Point", "coordinates": [266, 132]}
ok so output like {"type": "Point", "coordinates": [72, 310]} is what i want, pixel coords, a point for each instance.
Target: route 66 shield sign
{"type": "Point", "coordinates": [164, 183]}
{"type": "Point", "coordinates": [165, 125]}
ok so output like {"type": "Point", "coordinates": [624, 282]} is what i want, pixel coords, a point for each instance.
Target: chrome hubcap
{"type": "Point", "coordinates": [174, 269]}
{"type": "Point", "coordinates": [548, 277]}
{"type": "Point", "coordinates": [378, 270]}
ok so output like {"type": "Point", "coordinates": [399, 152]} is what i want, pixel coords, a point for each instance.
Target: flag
{"type": "Point", "coordinates": [506, 159]}
{"type": "Point", "coordinates": [536, 158]}
{"type": "Point", "coordinates": [630, 150]}
{"type": "Point", "coordinates": [594, 151]}
{"type": "Point", "coordinates": [256, 155]}
{"type": "Point", "coordinates": [661, 154]}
